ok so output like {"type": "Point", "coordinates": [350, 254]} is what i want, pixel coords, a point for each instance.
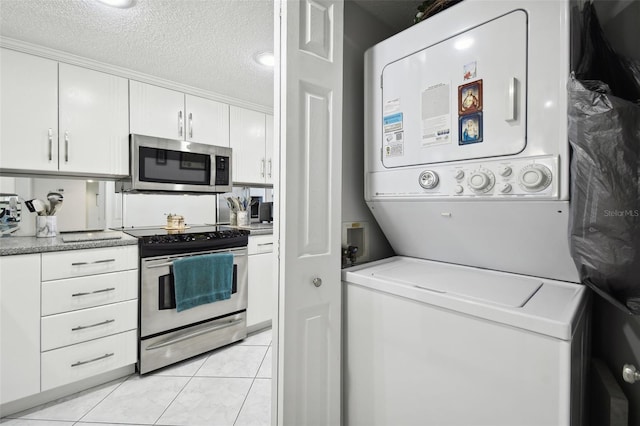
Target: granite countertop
{"type": "Point", "coordinates": [27, 245]}
{"type": "Point", "coordinates": [259, 228]}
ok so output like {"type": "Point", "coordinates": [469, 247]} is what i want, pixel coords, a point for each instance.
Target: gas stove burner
{"type": "Point", "coordinates": [155, 241]}
{"type": "Point", "coordinates": [198, 236]}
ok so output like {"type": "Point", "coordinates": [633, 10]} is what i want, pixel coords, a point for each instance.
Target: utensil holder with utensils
{"type": "Point", "coordinates": [46, 226]}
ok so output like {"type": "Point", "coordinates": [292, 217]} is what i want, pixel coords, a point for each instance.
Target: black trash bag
{"type": "Point", "coordinates": [598, 60]}
{"type": "Point", "coordinates": [604, 133]}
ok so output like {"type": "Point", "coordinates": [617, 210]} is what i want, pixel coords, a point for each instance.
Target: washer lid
{"type": "Point", "coordinates": [493, 287]}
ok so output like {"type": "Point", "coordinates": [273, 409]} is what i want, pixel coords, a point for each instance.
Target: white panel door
{"type": "Point", "coordinates": [156, 111]}
{"type": "Point", "coordinates": [207, 121]}
{"type": "Point", "coordinates": [94, 124]}
{"type": "Point", "coordinates": [308, 211]}
{"type": "Point", "coordinates": [19, 326]}
{"type": "Point", "coordinates": [268, 149]}
{"type": "Point", "coordinates": [247, 142]}
{"type": "Point", "coordinates": [28, 112]}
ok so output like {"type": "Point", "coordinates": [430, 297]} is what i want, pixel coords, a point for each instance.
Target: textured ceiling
{"type": "Point", "coordinates": [207, 44]}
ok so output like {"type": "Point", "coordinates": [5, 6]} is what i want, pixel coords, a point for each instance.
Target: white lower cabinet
{"type": "Point", "coordinates": [77, 362]}
{"type": "Point", "coordinates": [70, 328]}
{"type": "Point", "coordinates": [19, 326]}
{"type": "Point", "coordinates": [261, 297]}
{"type": "Point", "coordinates": [89, 313]}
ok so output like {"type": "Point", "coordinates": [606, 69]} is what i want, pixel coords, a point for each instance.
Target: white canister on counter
{"type": "Point", "coordinates": [46, 226]}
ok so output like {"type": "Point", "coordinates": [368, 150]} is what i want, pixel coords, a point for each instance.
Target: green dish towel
{"type": "Point", "coordinates": [202, 279]}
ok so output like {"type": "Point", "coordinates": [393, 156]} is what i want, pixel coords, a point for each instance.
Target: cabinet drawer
{"type": "Point", "coordinates": [88, 324]}
{"type": "Point", "coordinates": [260, 244]}
{"type": "Point", "coordinates": [86, 292]}
{"type": "Point", "coordinates": [77, 263]}
{"type": "Point", "coordinates": [72, 363]}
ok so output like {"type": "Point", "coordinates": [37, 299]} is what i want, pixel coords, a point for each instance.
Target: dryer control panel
{"type": "Point", "coordinates": [531, 177]}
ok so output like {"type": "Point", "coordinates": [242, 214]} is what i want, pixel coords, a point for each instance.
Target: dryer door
{"type": "Point", "coordinates": [460, 99]}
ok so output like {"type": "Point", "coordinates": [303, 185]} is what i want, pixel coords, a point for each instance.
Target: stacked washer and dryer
{"type": "Point", "coordinates": [479, 319]}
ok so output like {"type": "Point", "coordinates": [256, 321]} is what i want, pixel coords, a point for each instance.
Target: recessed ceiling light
{"type": "Point", "coordinates": [122, 4]}
{"type": "Point", "coordinates": [265, 58]}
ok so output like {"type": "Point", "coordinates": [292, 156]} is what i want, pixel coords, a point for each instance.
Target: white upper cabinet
{"type": "Point", "coordinates": [94, 122]}
{"type": "Point", "coordinates": [28, 112]}
{"type": "Point", "coordinates": [62, 119]}
{"type": "Point", "coordinates": [166, 113]}
{"type": "Point", "coordinates": [268, 148]}
{"type": "Point", "coordinates": [207, 121]}
{"type": "Point", "coordinates": [156, 111]}
{"type": "Point", "coordinates": [252, 160]}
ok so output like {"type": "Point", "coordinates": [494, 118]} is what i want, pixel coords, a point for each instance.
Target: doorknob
{"type": "Point", "coordinates": [317, 282]}
{"type": "Point", "coordinates": [630, 374]}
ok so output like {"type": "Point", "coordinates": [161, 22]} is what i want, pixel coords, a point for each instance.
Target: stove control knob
{"type": "Point", "coordinates": [459, 189]}
{"type": "Point", "coordinates": [534, 177]}
{"type": "Point", "coordinates": [481, 180]}
{"type": "Point", "coordinates": [458, 174]}
{"type": "Point", "coordinates": [505, 171]}
{"type": "Point", "coordinates": [428, 179]}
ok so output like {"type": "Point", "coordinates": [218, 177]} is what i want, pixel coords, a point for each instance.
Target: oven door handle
{"type": "Point", "coordinates": [160, 265]}
{"type": "Point", "coordinates": [194, 334]}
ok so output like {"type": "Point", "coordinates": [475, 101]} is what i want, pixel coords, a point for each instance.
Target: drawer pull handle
{"type": "Point", "coordinates": [82, 327]}
{"type": "Point", "coordinates": [93, 263]}
{"type": "Point", "coordinates": [104, 290]}
{"type": "Point", "coordinates": [93, 360]}
{"type": "Point", "coordinates": [265, 244]}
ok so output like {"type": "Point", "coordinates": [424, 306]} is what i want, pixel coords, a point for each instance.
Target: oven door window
{"type": "Point", "coordinates": [167, 289]}
{"type": "Point", "coordinates": [167, 166]}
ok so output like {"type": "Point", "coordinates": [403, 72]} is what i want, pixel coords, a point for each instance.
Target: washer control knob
{"type": "Point", "coordinates": [505, 171]}
{"type": "Point", "coordinates": [481, 180]}
{"type": "Point", "coordinates": [534, 177]}
{"type": "Point", "coordinates": [458, 174]}
{"type": "Point", "coordinates": [459, 189]}
{"type": "Point", "coordinates": [428, 179]}
{"type": "Point", "coordinates": [506, 188]}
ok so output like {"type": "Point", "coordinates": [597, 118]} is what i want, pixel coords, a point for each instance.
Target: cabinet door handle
{"type": "Point", "coordinates": [66, 147]}
{"type": "Point", "coordinates": [180, 123]}
{"type": "Point", "coordinates": [265, 244]}
{"type": "Point", "coordinates": [50, 144]}
{"type": "Point", "coordinates": [93, 360]}
{"type": "Point", "coordinates": [104, 290]}
{"type": "Point", "coordinates": [190, 125]}
{"type": "Point", "coordinates": [92, 263]}
{"type": "Point", "coordinates": [82, 327]}
{"type": "Point", "coordinates": [270, 167]}
{"type": "Point", "coordinates": [262, 168]}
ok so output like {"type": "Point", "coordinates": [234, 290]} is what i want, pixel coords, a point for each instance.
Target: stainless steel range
{"type": "Point", "coordinates": [167, 336]}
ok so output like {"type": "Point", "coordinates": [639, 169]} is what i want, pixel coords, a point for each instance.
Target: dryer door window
{"type": "Point", "coordinates": [460, 99]}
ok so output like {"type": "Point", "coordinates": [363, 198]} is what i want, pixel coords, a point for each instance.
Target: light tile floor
{"type": "Point", "coordinates": [228, 386]}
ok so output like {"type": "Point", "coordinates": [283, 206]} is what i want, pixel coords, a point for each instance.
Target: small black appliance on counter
{"type": "Point", "coordinates": [265, 212]}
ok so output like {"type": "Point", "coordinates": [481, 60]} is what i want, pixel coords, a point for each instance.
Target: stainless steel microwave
{"type": "Point", "coordinates": [167, 165]}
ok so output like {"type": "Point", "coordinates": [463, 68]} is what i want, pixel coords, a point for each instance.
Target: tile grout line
{"type": "Point", "coordinates": [251, 387]}
{"type": "Point", "coordinates": [105, 397]}
{"type": "Point", "coordinates": [173, 400]}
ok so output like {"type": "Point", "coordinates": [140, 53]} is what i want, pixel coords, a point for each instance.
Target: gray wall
{"type": "Point", "coordinates": [361, 31]}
